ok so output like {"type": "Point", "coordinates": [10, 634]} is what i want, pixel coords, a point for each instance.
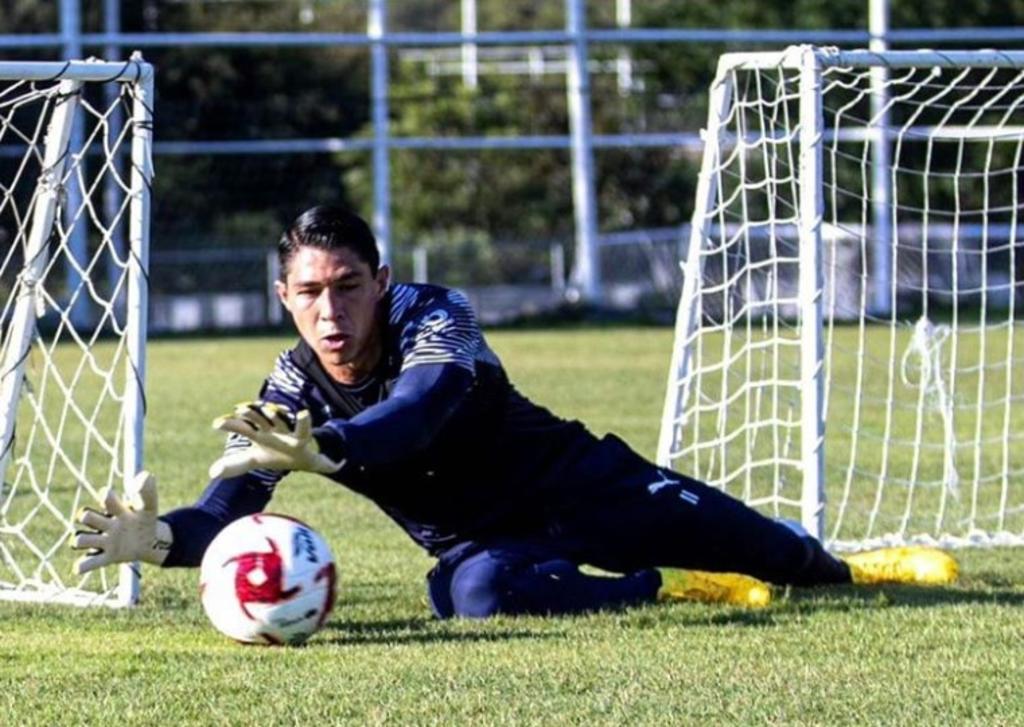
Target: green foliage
{"type": "Point", "coordinates": [740, 15]}
{"type": "Point", "coordinates": [28, 16]}
{"type": "Point", "coordinates": [837, 656]}
{"type": "Point", "coordinates": [451, 200]}
{"type": "Point", "coordinates": [242, 15]}
{"type": "Point", "coordinates": [952, 14]}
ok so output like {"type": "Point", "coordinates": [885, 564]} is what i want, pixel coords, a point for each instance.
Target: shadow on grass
{"type": "Point", "coordinates": [787, 604]}
{"type": "Point", "coordinates": [762, 618]}
{"type": "Point", "coordinates": [427, 631]}
{"type": "Point", "coordinates": [840, 598]}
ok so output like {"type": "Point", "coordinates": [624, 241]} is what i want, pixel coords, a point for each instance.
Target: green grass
{"type": "Point", "coordinates": [825, 656]}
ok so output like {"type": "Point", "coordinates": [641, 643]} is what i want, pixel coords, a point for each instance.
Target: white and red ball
{"type": "Point", "coordinates": [268, 579]}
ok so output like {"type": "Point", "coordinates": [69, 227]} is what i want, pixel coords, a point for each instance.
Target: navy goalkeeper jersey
{"type": "Point", "coordinates": [435, 435]}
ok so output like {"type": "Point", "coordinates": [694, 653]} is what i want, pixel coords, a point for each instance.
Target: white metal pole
{"type": "Point", "coordinates": [587, 269]}
{"type": "Point", "coordinates": [535, 62]}
{"type": "Point", "coordinates": [77, 236]}
{"type": "Point", "coordinates": [420, 262]}
{"type": "Point", "coordinates": [624, 63]}
{"type": "Point", "coordinates": [138, 299]}
{"type": "Point", "coordinates": [275, 315]}
{"type": "Point", "coordinates": [112, 194]}
{"type": "Point", "coordinates": [678, 391]}
{"type": "Point", "coordinates": [469, 50]}
{"type": "Point", "coordinates": [22, 327]}
{"type": "Point", "coordinates": [812, 382]}
{"type": "Point", "coordinates": [881, 166]}
{"type": "Point", "coordinates": [556, 254]}
{"type": "Point", "coordinates": [376, 25]}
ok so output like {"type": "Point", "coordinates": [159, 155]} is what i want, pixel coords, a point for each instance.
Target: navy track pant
{"type": "Point", "coordinates": [631, 518]}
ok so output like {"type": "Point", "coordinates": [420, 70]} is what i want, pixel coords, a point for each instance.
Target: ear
{"type": "Point", "coordinates": [383, 280]}
{"type": "Point", "coordinates": [282, 294]}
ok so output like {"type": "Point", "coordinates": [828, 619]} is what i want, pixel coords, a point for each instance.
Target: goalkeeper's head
{"type": "Point", "coordinates": [332, 282]}
{"type": "Point", "coordinates": [328, 227]}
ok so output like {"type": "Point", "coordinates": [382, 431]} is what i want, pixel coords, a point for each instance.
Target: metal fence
{"type": "Point", "coordinates": [623, 267]}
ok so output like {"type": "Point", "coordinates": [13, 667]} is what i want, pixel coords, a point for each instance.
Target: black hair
{"type": "Point", "coordinates": [328, 227]}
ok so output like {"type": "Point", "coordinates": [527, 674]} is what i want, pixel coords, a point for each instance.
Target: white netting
{"type": "Point", "coordinates": [922, 373]}
{"type": "Point", "coordinates": [70, 373]}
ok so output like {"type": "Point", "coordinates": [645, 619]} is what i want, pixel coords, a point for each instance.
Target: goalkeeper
{"type": "Point", "coordinates": [393, 392]}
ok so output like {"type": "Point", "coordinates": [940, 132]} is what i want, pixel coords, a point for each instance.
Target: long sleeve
{"type": "Point", "coordinates": [423, 399]}
{"type": "Point", "coordinates": [222, 502]}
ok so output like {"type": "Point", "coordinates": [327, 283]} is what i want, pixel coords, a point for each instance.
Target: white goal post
{"type": "Point", "coordinates": [75, 177]}
{"type": "Point", "coordinates": [845, 350]}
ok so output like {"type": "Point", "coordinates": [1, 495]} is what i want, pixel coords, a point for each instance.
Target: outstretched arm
{"type": "Point", "coordinates": [227, 497]}
{"type": "Point", "coordinates": [222, 502]}
{"type": "Point", "coordinates": [423, 399]}
{"type": "Point", "coordinates": [129, 530]}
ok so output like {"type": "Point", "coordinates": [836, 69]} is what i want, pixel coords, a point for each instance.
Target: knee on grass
{"type": "Point", "coordinates": [483, 586]}
{"type": "Point", "coordinates": [487, 585]}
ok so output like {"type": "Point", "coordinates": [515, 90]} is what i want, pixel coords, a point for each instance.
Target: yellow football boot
{"type": "Point", "coordinates": [913, 564]}
{"type": "Point", "coordinates": [695, 585]}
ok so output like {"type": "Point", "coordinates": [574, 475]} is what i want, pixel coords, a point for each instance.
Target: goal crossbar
{"type": "Point", "coordinates": [793, 57]}
{"type": "Point", "coordinates": [131, 71]}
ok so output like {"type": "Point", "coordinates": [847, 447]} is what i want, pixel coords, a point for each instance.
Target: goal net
{"type": "Point", "coordinates": [846, 349]}
{"type": "Point", "coordinates": [75, 173]}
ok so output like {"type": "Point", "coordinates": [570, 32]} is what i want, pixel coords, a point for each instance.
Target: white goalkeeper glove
{"type": "Point", "coordinates": [127, 531]}
{"type": "Point", "coordinates": [279, 442]}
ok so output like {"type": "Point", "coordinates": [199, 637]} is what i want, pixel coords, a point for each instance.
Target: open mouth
{"type": "Point", "coordinates": [333, 341]}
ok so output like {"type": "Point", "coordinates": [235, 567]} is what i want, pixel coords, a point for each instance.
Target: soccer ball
{"type": "Point", "coordinates": [267, 579]}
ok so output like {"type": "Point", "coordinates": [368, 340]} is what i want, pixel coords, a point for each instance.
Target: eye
{"type": "Point", "coordinates": [306, 293]}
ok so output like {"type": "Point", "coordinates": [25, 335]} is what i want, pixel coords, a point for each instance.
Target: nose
{"type": "Point", "coordinates": [330, 306]}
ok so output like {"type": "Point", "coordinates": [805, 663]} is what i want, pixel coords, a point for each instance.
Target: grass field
{"type": "Point", "coordinates": [826, 656]}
